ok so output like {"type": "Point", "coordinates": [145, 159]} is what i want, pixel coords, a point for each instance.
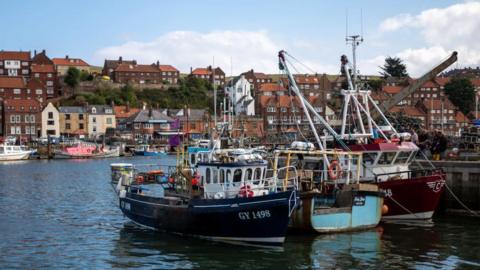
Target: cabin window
{"type": "Point", "coordinates": [386, 158]}
{"type": "Point", "coordinates": [402, 157]}
{"type": "Point", "coordinates": [214, 176]}
{"type": "Point", "coordinates": [369, 158]}
{"type": "Point", "coordinates": [237, 176]}
{"type": "Point", "coordinates": [258, 174]}
{"type": "Point", "coordinates": [229, 178]}
{"type": "Point", "coordinates": [207, 175]}
{"type": "Point", "coordinates": [222, 176]}
{"type": "Point", "coordinates": [1, 150]}
{"type": "Point", "coordinates": [248, 174]}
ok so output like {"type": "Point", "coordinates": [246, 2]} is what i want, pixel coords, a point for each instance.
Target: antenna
{"type": "Point", "coordinates": [346, 25]}
{"type": "Point", "coordinates": [361, 23]}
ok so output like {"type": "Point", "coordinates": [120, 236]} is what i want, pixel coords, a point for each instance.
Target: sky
{"type": "Point", "coordinates": [245, 34]}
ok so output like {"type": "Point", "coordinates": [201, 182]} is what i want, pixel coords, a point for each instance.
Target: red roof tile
{"type": "Point", "coordinates": [476, 82]}
{"type": "Point", "coordinates": [43, 68]}
{"type": "Point", "coordinates": [306, 79]}
{"type": "Point", "coordinates": [260, 75]}
{"type": "Point", "coordinates": [35, 84]}
{"type": "Point", "coordinates": [137, 68]}
{"type": "Point", "coordinates": [407, 110]}
{"type": "Point", "coordinates": [269, 87]}
{"type": "Point", "coordinates": [121, 111]}
{"type": "Point", "coordinates": [69, 62]}
{"type": "Point", "coordinates": [25, 103]}
{"type": "Point", "coordinates": [430, 84]}
{"type": "Point", "coordinates": [437, 104]}
{"type": "Point", "coordinates": [12, 82]}
{"type": "Point", "coordinates": [201, 71]}
{"type": "Point", "coordinates": [168, 68]}
{"type": "Point", "coordinates": [460, 117]}
{"type": "Point", "coordinates": [391, 89]}
{"type": "Point", "coordinates": [11, 55]}
{"type": "Point", "coordinates": [442, 80]}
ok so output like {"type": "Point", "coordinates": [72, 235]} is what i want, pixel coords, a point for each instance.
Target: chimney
{"type": "Point", "coordinates": [127, 106]}
{"type": "Point", "coordinates": [120, 59]}
{"type": "Point", "coordinates": [43, 51]}
{"type": "Point", "coordinates": [112, 103]}
{"type": "Point", "coordinates": [144, 105]}
{"type": "Point", "coordinates": [34, 52]}
{"type": "Point", "coordinates": [66, 56]}
{"type": "Point", "coordinates": [150, 111]}
{"type": "Point", "coordinates": [158, 63]}
{"type": "Point", "coordinates": [191, 70]}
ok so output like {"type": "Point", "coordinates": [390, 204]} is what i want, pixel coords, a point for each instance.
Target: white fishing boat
{"type": "Point", "coordinates": [14, 152]}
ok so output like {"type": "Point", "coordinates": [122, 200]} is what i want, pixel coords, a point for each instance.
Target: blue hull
{"type": "Point", "coordinates": [259, 220]}
{"type": "Point", "coordinates": [148, 153]}
{"type": "Point", "coordinates": [353, 210]}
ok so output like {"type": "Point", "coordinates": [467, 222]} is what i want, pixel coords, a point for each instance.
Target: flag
{"type": "Point", "coordinates": [174, 140]}
{"type": "Point", "coordinates": [175, 124]}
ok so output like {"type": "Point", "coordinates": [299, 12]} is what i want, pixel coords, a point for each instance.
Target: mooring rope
{"type": "Point", "coordinates": [403, 207]}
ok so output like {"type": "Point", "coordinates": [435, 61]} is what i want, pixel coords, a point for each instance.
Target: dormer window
{"type": "Point", "coordinates": [94, 110]}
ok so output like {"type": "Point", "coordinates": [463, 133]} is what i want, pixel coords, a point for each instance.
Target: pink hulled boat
{"type": "Point", "coordinates": [87, 150]}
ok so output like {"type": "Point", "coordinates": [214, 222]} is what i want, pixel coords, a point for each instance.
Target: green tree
{"type": "Point", "coordinates": [461, 93]}
{"type": "Point", "coordinates": [394, 67]}
{"type": "Point", "coordinates": [85, 76]}
{"type": "Point", "coordinates": [72, 77]}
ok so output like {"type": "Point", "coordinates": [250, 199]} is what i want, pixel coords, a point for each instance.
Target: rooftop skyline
{"type": "Point", "coordinates": [246, 34]}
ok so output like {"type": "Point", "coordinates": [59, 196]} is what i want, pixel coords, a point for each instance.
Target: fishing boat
{"type": "Point", "coordinates": [226, 196]}
{"type": "Point", "coordinates": [144, 150]}
{"type": "Point", "coordinates": [388, 155]}
{"type": "Point", "coordinates": [14, 152]}
{"type": "Point", "coordinates": [325, 205]}
{"type": "Point", "coordinates": [83, 150]}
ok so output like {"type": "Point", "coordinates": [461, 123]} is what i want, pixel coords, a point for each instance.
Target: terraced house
{"type": "Point", "coordinates": [100, 118]}
{"type": "Point", "coordinates": [15, 63]}
{"type": "Point", "coordinates": [73, 121]}
{"type": "Point", "coordinates": [23, 119]}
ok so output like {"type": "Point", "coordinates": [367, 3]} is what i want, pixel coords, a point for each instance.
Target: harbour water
{"type": "Point", "coordinates": [63, 214]}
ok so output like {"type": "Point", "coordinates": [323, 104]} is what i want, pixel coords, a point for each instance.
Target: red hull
{"type": "Point", "coordinates": [415, 198]}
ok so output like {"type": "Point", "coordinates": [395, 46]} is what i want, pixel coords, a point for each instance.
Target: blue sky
{"type": "Point", "coordinates": [244, 33]}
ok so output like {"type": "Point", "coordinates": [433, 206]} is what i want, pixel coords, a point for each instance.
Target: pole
{"type": "Point", "coordinates": [214, 94]}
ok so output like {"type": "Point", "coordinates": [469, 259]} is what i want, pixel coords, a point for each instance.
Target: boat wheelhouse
{"type": "Point", "coordinates": [145, 150]}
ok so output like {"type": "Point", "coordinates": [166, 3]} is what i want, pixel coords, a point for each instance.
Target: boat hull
{"type": "Point", "coordinates": [359, 210]}
{"type": "Point", "coordinates": [148, 153]}
{"type": "Point", "coordinates": [259, 220]}
{"type": "Point", "coordinates": [15, 156]}
{"type": "Point", "coordinates": [106, 154]}
{"type": "Point", "coordinates": [415, 198]}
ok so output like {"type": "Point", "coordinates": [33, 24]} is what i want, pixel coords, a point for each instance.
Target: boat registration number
{"type": "Point", "coordinates": [260, 214]}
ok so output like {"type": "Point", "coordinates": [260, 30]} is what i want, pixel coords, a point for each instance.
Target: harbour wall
{"type": "Point", "coordinates": [463, 178]}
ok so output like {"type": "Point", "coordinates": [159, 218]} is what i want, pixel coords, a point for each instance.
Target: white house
{"type": "Point", "coordinates": [50, 121]}
{"type": "Point", "coordinates": [100, 118]}
{"type": "Point", "coordinates": [239, 93]}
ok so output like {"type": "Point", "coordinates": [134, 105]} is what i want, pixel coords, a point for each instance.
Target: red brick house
{"type": "Point", "coordinates": [63, 64]}
{"type": "Point", "coordinates": [208, 74]}
{"type": "Point", "coordinates": [15, 63]}
{"type": "Point", "coordinates": [169, 73]}
{"type": "Point", "coordinates": [43, 69]}
{"type": "Point", "coordinates": [22, 118]}
{"type": "Point", "coordinates": [36, 90]}
{"type": "Point", "coordinates": [256, 79]}
{"type": "Point", "coordinates": [110, 65]}
{"type": "Point", "coordinates": [13, 88]}
{"type": "Point", "coordinates": [141, 74]}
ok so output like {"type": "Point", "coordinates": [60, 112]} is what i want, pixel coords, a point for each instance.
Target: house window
{"type": "Point", "coordinates": [94, 110]}
{"type": "Point", "coordinates": [147, 125]}
{"type": "Point", "coordinates": [270, 109]}
{"type": "Point", "coordinates": [67, 116]}
{"type": "Point", "coordinates": [17, 118]}
{"type": "Point", "coordinates": [39, 91]}
{"type": "Point", "coordinates": [109, 121]}
{"type": "Point", "coordinates": [12, 119]}
{"type": "Point", "coordinates": [18, 129]}
{"type": "Point", "coordinates": [50, 122]}
{"type": "Point", "coordinates": [17, 91]}
{"type": "Point", "coordinates": [49, 75]}
{"type": "Point", "coordinates": [283, 109]}
{"type": "Point", "coordinates": [50, 115]}
{"type": "Point", "coordinates": [94, 129]}
{"type": "Point", "coordinates": [37, 75]}
{"type": "Point", "coordinates": [24, 71]}
{"type": "Point", "coordinates": [80, 117]}
{"type": "Point", "coordinates": [49, 83]}
{"type": "Point", "coordinates": [12, 130]}
{"type": "Point", "coordinates": [32, 118]}
{"type": "Point", "coordinates": [94, 119]}
{"type": "Point", "coordinates": [136, 125]}
{"type": "Point", "coordinates": [67, 126]}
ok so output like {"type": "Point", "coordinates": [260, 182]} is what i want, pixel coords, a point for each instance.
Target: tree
{"type": "Point", "coordinates": [461, 93]}
{"type": "Point", "coordinates": [72, 77]}
{"type": "Point", "coordinates": [394, 67]}
{"type": "Point", "coordinates": [85, 76]}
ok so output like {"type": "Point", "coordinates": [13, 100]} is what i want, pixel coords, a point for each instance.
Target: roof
{"type": "Point", "coordinates": [136, 68]}
{"type": "Point", "coordinates": [260, 75]}
{"type": "Point", "coordinates": [193, 114]}
{"type": "Point", "coordinates": [143, 116]}
{"type": "Point", "coordinates": [71, 109]}
{"type": "Point", "coordinates": [278, 101]}
{"type": "Point", "coordinates": [25, 103]}
{"type": "Point", "coordinates": [460, 117]}
{"type": "Point", "coordinates": [407, 110]}
{"type": "Point", "coordinates": [272, 87]}
{"type": "Point", "coordinates": [121, 111]}
{"type": "Point", "coordinates": [167, 68]}
{"type": "Point", "coordinates": [437, 104]}
{"type": "Point", "coordinates": [15, 55]}
{"type": "Point", "coordinates": [442, 80]}
{"type": "Point", "coordinates": [391, 89]}
{"type": "Point", "coordinates": [69, 62]}
{"type": "Point", "coordinates": [114, 63]}
{"type": "Point", "coordinates": [12, 82]}
{"type": "Point", "coordinates": [430, 84]}
{"type": "Point", "coordinates": [476, 82]}
{"type": "Point", "coordinates": [201, 71]}
{"type": "Point", "coordinates": [42, 58]}
{"type": "Point", "coordinates": [42, 68]}
{"type": "Point", "coordinates": [99, 109]}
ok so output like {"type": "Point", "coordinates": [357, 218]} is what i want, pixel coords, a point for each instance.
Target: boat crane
{"type": "Point", "coordinates": [408, 90]}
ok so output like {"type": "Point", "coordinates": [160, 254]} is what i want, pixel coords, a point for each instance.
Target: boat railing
{"type": "Point", "coordinates": [410, 174]}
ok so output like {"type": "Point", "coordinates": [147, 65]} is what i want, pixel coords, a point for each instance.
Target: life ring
{"type": "Point", "coordinates": [334, 170]}
{"type": "Point", "coordinates": [246, 191]}
{"type": "Point", "coordinates": [139, 179]}
{"type": "Point", "coordinates": [196, 178]}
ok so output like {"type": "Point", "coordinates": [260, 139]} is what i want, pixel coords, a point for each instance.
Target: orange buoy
{"type": "Point", "coordinates": [384, 209]}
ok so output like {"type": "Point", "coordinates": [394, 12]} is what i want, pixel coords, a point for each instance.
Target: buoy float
{"type": "Point", "coordinates": [384, 209]}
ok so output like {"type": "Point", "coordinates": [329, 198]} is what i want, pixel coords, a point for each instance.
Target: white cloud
{"type": "Point", "coordinates": [443, 30]}
{"type": "Point", "coordinates": [185, 49]}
